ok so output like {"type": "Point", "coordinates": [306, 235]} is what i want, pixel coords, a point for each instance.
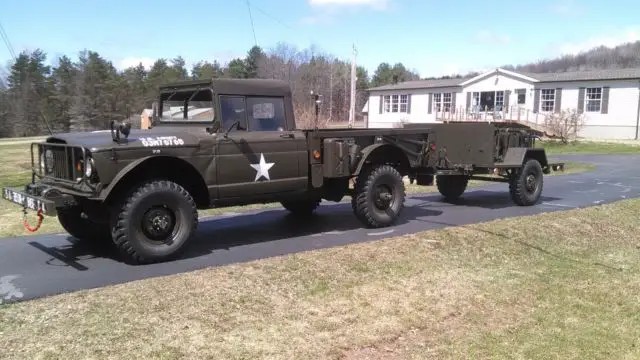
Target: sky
{"type": "Point", "coordinates": [431, 37]}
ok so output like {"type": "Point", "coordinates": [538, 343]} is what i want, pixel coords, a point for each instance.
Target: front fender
{"type": "Point", "coordinates": [121, 174]}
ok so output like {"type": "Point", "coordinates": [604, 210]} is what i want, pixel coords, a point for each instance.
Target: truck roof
{"type": "Point", "coordinates": [266, 87]}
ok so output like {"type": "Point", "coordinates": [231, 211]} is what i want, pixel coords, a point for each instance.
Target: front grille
{"type": "Point", "coordinates": [62, 164]}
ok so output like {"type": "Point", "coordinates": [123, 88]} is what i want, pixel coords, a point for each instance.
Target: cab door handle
{"type": "Point", "coordinates": [286, 135]}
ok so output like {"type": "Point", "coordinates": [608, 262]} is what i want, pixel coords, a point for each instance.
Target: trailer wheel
{"type": "Point", "coordinates": [81, 228]}
{"type": "Point", "coordinates": [304, 207]}
{"type": "Point", "coordinates": [526, 185]}
{"type": "Point", "coordinates": [452, 186]}
{"type": "Point", "coordinates": [379, 196]}
{"type": "Point", "coordinates": [155, 222]}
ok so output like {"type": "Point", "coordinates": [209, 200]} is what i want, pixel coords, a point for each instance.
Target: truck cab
{"type": "Point", "coordinates": [257, 151]}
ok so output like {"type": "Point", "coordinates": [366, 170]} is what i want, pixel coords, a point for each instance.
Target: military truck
{"type": "Point", "coordinates": [226, 142]}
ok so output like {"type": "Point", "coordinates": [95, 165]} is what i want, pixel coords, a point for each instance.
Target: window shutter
{"type": "Point", "coordinates": [506, 101]}
{"type": "Point", "coordinates": [430, 103]}
{"type": "Point", "coordinates": [558, 100]}
{"type": "Point", "coordinates": [580, 100]}
{"type": "Point", "coordinates": [453, 102]}
{"type": "Point", "coordinates": [409, 104]}
{"type": "Point", "coordinates": [536, 100]}
{"type": "Point", "coordinates": [604, 106]}
{"type": "Point", "coordinates": [468, 107]}
{"type": "Point", "coordinates": [380, 105]}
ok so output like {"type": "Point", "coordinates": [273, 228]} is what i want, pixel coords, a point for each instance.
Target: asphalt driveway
{"type": "Point", "coordinates": [36, 266]}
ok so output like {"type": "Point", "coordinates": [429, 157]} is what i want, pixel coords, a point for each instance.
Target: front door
{"type": "Point", "coordinates": [258, 156]}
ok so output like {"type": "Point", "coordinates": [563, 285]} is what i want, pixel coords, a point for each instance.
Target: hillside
{"type": "Point", "coordinates": [602, 57]}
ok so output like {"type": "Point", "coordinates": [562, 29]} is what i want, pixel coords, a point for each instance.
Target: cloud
{"type": "Point", "coordinates": [611, 40]}
{"type": "Point", "coordinates": [375, 4]}
{"type": "Point", "coordinates": [134, 61]}
{"type": "Point", "coordinates": [487, 37]}
{"type": "Point", "coordinates": [567, 7]}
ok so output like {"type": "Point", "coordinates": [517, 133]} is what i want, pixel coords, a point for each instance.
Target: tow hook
{"type": "Point", "coordinates": [26, 224]}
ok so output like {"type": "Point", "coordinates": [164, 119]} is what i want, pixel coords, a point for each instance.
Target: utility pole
{"type": "Point", "coordinates": [352, 107]}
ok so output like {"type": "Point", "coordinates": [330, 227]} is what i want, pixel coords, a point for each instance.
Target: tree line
{"type": "Point", "coordinates": [87, 93]}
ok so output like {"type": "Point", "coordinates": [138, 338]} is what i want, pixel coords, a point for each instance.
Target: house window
{"type": "Point", "coordinates": [488, 101]}
{"type": "Point", "coordinates": [522, 96]}
{"type": "Point", "coordinates": [499, 100]}
{"type": "Point", "coordinates": [395, 103]}
{"type": "Point", "coordinates": [593, 99]}
{"type": "Point", "coordinates": [442, 101]}
{"type": "Point", "coordinates": [547, 99]}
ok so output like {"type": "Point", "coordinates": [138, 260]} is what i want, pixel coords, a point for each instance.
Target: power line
{"type": "Point", "coordinates": [7, 43]}
{"type": "Point", "coordinates": [271, 16]}
{"type": "Point", "coordinates": [252, 27]}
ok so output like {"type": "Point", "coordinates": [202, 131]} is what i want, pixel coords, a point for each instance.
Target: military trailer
{"type": "Point", "coordinates": [227, 142]}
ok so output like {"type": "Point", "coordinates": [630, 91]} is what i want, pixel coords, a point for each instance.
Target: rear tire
{"type": "Point", "coordinates": [155, 222]}
{"type": "Point", "coordinates": [379, 196]}
{"type": "Point", "coordinates": [81, 228]}
{"type": "Point", "coordinates": [452, 186]}
{"type": "Point", "coordinates": [526, 185]}
{"type": "Point", "coordinates": [301, 208]}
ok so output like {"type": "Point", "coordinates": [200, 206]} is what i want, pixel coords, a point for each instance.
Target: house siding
{"type": "Point", "coordinates": [418, 111]}
{"type": "Point", "coordinates": [619, 121]}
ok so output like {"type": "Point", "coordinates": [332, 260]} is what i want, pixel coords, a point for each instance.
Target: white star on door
{"type": "Point", "coordinates": [262, 168]}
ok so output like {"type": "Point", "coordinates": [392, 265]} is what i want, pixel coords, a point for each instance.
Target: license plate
{"type": "Point", "coordinates": [22, 199]}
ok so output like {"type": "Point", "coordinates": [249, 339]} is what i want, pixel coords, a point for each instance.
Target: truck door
{"type": "Point", "coordinates": [259, 156]}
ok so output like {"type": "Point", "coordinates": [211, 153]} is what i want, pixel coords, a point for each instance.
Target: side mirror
{"type": "Point", "coordinates": [235, 124]}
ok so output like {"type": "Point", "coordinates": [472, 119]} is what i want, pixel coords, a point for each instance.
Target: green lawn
{"type": "Point", "coordinates": [560, 285]}
{"type": "Point", "coordinates": [589, 147]}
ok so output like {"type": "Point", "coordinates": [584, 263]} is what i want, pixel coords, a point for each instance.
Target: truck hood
{"type": "Point", "coordinates": [101, 140]}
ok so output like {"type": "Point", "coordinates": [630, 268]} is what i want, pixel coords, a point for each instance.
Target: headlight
{"type": "Point", "coordinates": [88, 168]}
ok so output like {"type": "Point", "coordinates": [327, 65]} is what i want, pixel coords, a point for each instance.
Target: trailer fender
{"type": "Point", "coordinates": [383, 154]}
{"type": "Point", "coordinates": [516, 156]}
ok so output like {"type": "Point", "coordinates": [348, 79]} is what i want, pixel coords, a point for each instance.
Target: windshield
{"type": "Point", "coordinates": [193, 105]}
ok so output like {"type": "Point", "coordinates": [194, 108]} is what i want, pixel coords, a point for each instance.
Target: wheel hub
{"type": "Point", "coordinates": [158, 223]}
{"type": "Point", "coordinates": [530, 182]}
{"type": "Point", "coordinates": [383, 197]}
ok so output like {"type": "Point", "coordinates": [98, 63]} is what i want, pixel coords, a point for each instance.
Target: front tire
{"type": "Point", "coordinates": [155, 222]}
{"type": "Point", "coordinates": [82, 228]}
{"type": "Point", "coordinates": [526, 185]}
{"type": "Point", "coordinates": [379, 196]}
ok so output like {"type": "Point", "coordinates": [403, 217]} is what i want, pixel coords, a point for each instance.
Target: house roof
{"type": "Point", "coordinates": [586, 75]}
{"type": "Point", "coordinates": [421, 84]}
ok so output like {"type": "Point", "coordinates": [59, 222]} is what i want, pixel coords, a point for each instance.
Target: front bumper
{"type": "Point", "coordinates": [38, 197]}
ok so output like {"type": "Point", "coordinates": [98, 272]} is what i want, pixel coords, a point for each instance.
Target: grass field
{"type": "Point", "coordinates": [559, 285]}
{"type": "Point", "coordinates": [590, 147]}
{"type": "Point", "coordinates": [16, 171]}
